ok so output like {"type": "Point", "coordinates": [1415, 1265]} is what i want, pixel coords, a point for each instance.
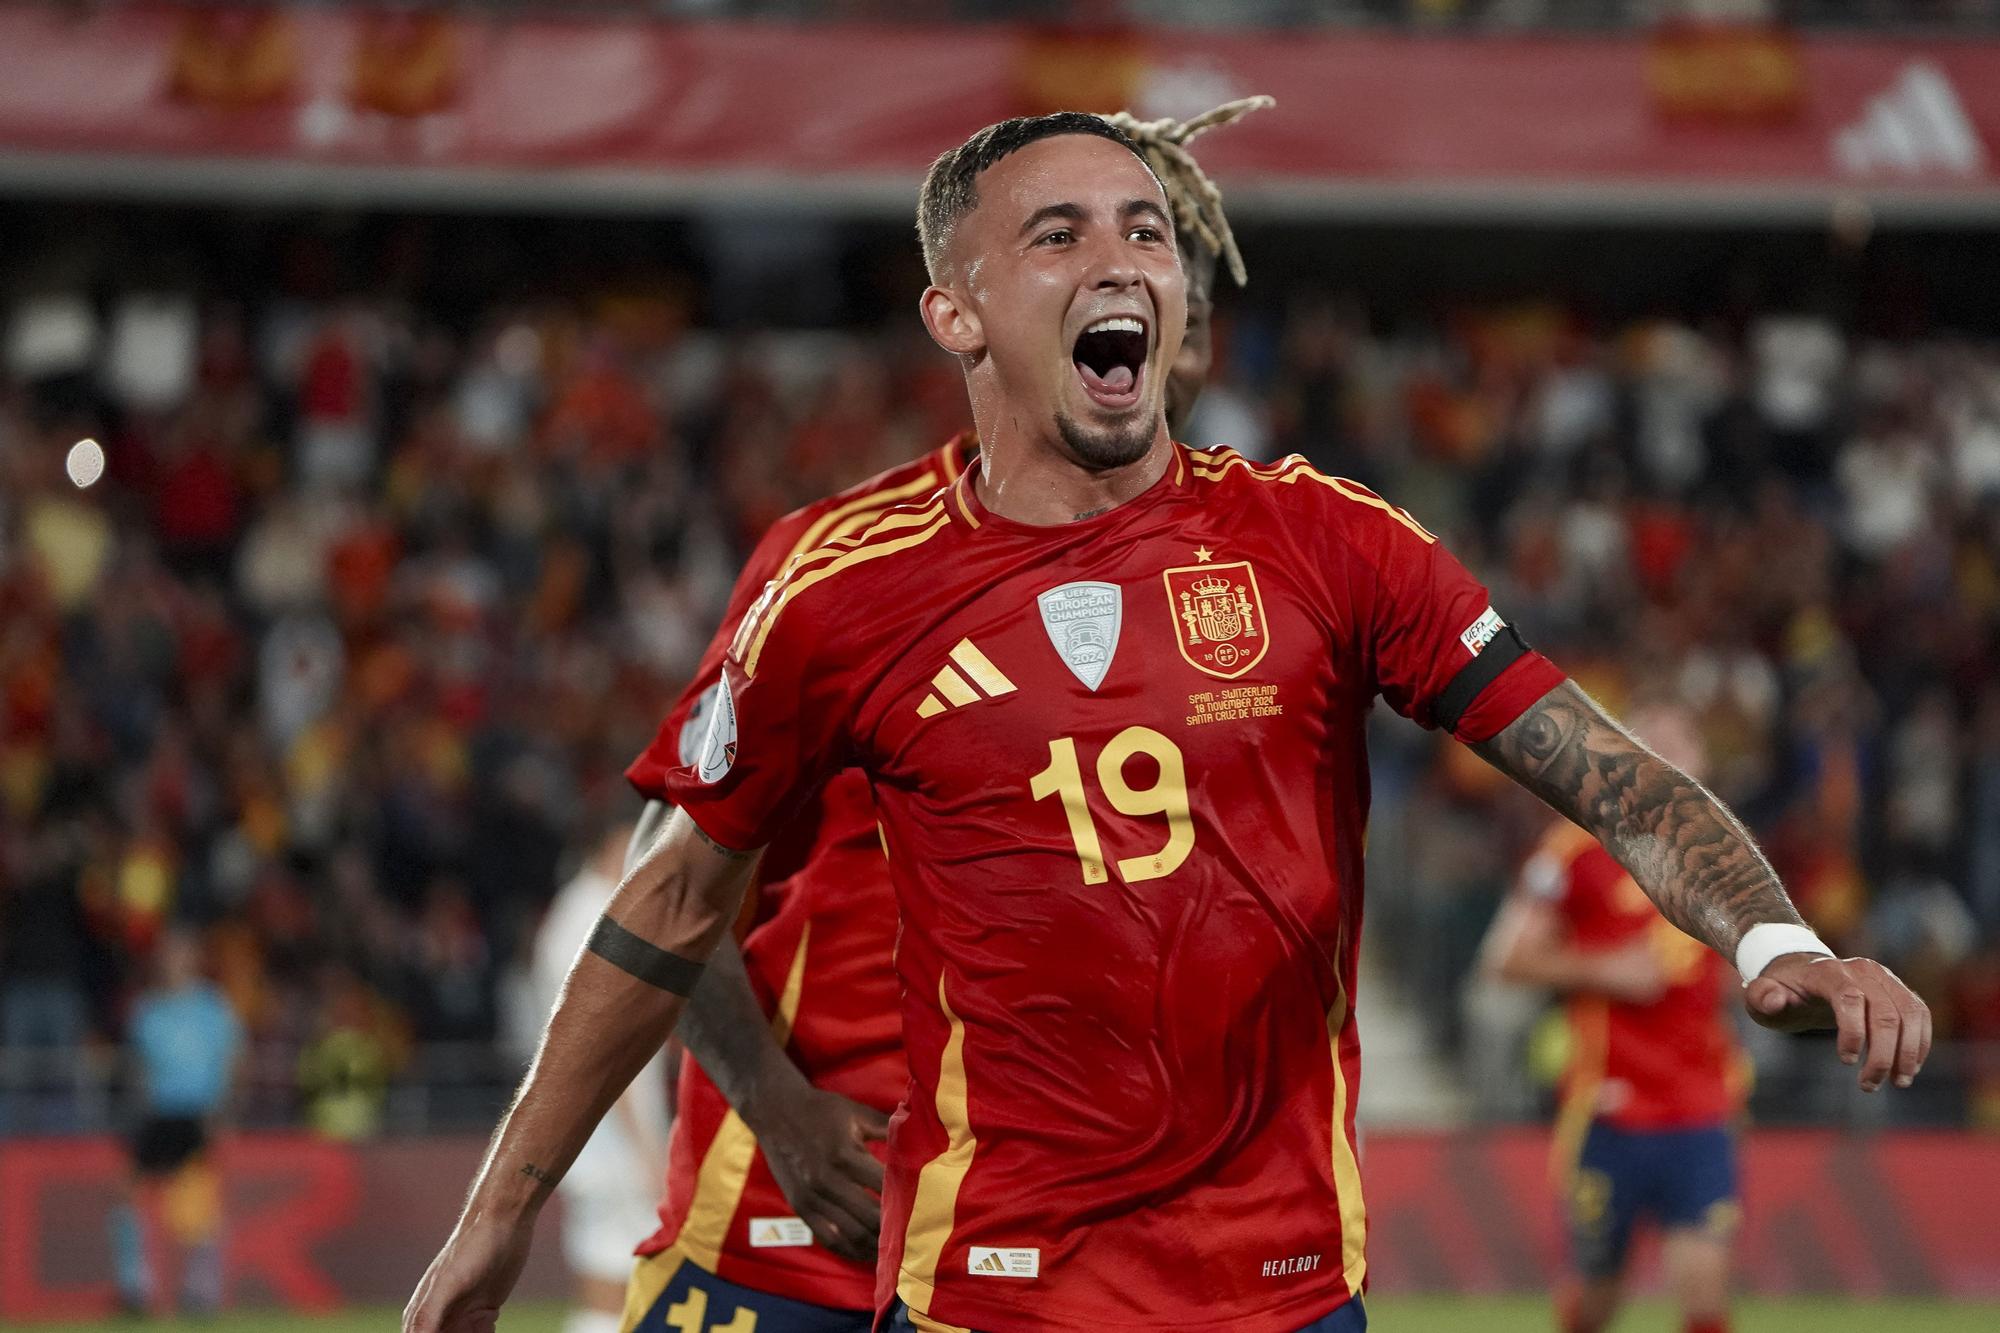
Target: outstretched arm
{"type": "Point", "coordinates": [623, 995]}
{"type": "Point", "coordinates": [814, 1141]}
{"type": "Point", "coordinates": [1700, 867]}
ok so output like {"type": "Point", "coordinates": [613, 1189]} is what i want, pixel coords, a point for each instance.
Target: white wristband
{"type": "Point", "coordinates": [1770, 940]}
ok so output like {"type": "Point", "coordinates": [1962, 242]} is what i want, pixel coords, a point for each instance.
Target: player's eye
{"type": "Point", "coordinates": [1061, 235]}
{"type": "Point", "coordinates": [1148, 234]}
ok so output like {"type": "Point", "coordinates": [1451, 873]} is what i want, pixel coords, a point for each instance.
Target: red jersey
{"type": "Point", "coordinates": [1671, 1064]}
{"type": "Point", "coordinates": [1122, 779]}
{"type": "Point", "coordinates": [818, 953]}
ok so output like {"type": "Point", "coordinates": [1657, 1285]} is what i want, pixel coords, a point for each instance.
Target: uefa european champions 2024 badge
{"type": "Point", "coordinates": [1083, 620]}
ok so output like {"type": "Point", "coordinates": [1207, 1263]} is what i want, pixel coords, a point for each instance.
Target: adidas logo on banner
{"type": "Point", "coordinates": [985, 1261]}
{"type": "Point", "coordinates": [1918, 126]}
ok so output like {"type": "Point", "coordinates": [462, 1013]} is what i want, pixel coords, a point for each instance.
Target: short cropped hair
{"type": "Point", "coordinates": [950, 187]}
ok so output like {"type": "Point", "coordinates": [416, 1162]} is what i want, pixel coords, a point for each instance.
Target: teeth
{"type": "Point", "coordinates": [1121, 324]}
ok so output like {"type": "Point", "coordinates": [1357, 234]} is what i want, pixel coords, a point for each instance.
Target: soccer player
{"type": "Point", "coordinates": [608, 1193]}
{"type": "Point", "coordinates": [1109, 694]}
{"type": "Point", "coordinates": [1653, 1080]}
{"type": "Point", "coordinates": [773, 1148]}
{"type": "Point", "coordinates": [185, 1044]}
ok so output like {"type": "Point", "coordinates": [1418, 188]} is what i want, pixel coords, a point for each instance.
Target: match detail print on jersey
{"type": "Point", "coordinates": [1083, 620]}
{"type": "Point", "coordinates": [1220, 617]}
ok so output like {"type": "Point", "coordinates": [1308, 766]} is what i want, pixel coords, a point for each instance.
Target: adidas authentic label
{"type": "Point", "coordinates": [985, 1261]}
{"type": "Point", "coordinates": [774, 1232]}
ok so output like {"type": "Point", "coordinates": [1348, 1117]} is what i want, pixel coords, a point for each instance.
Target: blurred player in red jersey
{"type": "Point", "coordinates": [1110, 693]}
{"type": "Point", "coordinates": [795, 1041]}
{"type": "Point", "coordinates": [1655, 1075]}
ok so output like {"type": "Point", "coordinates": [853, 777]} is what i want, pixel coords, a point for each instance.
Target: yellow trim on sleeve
{"type": "Point", "coordinates": [1364, 497]}
{"type": "Point", "coordinates": [1213, 470]}
{"type": "Point", "coordinates": [874, 524]}
{"type": "Point", "coordinates": [825, 525]}
{"type": "Point", "coordinates": [1291, 468]}
{"type": "Point", "coordinates": [836, 561]}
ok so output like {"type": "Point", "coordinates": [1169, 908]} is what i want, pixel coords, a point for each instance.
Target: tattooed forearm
{"type": "Point", "coordinates": [536, 1174]}
{"type": "Point", "coordinates": [730, 852]}
{"type": "Point", "coordinates": [1686, 850]}
{"type": "Point", "coordinates": [642, 958]}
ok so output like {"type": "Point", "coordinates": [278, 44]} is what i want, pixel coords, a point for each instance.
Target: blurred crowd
{"type": "Point", "coordinates": [1421, 14]}
{"type": "Point", "coordinates": [1790, 530]}
{"type": "Point", "coordinates": [352, 638]}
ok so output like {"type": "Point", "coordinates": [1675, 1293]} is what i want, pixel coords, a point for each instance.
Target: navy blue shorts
{"type": "Point", "coordinates": [1682, 1179]}
{"type": "Point", "coordinates": [695, 1298]}
{"type": "Point", "coordinates": [1349, 1318]}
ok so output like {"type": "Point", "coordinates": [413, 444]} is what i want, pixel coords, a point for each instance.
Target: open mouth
{"type": "Point", "coordinates": [1110, 358]}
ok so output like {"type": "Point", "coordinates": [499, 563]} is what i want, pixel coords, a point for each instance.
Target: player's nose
{"type": "Point", "coordinates": [1111, 265]}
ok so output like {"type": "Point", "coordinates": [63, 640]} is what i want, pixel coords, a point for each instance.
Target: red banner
{"type": "Point", "coordinates": [642, 105]}
{"type": "Point", "coordinates": [314, 1224]}
{"type": "Point", "coordinates": [1900, 1214]}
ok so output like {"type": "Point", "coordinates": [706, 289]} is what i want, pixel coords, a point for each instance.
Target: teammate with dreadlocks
{"type": "Point", "coordinates": [1203, 232]}
{"type": "Point", "coordinates": [1126, 987]}
{"type": "Point", "coordinates": [795, 1040]}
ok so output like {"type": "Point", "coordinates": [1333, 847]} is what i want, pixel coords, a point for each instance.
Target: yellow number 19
{"type": "Point", "coordinates": [1168, 796]}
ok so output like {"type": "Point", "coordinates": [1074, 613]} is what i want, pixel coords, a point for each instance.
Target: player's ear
{"type": "Point", "coordinates": [953, 324]}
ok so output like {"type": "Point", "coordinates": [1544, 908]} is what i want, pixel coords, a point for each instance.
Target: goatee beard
{"type": "Point", "coordinates": [1103, 448]}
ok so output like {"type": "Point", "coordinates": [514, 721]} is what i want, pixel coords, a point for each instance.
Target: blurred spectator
{"type": "Point", "coordinates": [43, 1003]}
{"type": "Point", "coordinates": [345, 1068]}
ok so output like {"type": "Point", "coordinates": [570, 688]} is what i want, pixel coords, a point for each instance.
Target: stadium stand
{"type": "Point", "coordinates": [386, 577]}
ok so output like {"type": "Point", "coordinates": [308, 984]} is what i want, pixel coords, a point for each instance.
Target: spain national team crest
{"type": "Point", "coordinates": [1220, 617]}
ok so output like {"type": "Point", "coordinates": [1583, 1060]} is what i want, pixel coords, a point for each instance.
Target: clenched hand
{"type": "Point", "coordinates": [1868, 1004]}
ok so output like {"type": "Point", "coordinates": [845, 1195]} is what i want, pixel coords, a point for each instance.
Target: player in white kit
{"type": "Point", "coordinates": [609, 1195]}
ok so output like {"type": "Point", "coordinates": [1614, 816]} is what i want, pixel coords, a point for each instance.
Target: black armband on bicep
{"type": "Point", "coordinates": [648, 962]}
{"type": "Point", "coordinates": [1506, 648]}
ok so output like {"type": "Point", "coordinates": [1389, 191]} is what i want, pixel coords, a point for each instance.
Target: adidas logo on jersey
{"type": "Point", "coordinates": [774, 1232]}
{"type": "Point", "coordinates": [981, 680]}
{"type": "Point", "coordinates": [1917, 126]}
{"type": "Point", "coordinates": [985, 1261]}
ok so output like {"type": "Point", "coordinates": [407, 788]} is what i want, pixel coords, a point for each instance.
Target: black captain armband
{"type": "Point", "coordinates": [648, 962]}
{"type": "Point", "coordinates": [1505, 649]}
